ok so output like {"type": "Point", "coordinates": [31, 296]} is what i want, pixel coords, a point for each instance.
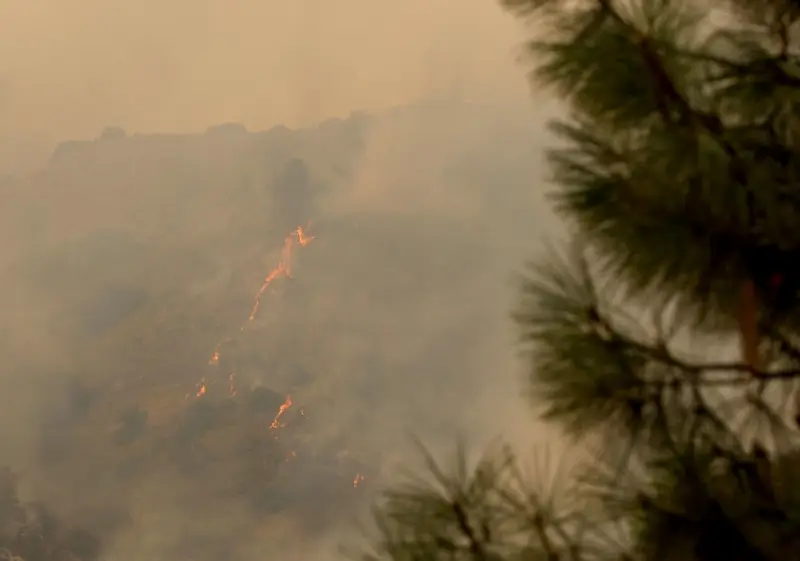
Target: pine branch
{"type": "Point", "coordinates": [584, 84]}
{"type": "Point", "coordinates": [476, 547]}
{"type": "Point", "coordinates": [785, 345]}
{"type": "Point", "coordinates": [554, 294]}
{"type": "Point", "coordinates": [675, 110]}
{"type": "Point", "coordinates": [681, 172]}
{"type": "Point", "coordinates": [741, 372]}
{"type": "Point", "coordinates": [593, 371]}
{"type": "Point", "coordinates": [694, 375]}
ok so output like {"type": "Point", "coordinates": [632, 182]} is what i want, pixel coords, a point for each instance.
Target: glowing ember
{"type": "Point", "coordinates": [284, 406]}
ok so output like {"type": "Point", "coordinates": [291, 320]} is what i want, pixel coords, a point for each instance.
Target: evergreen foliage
{"type": "Point", "coordinates": [678, 173]}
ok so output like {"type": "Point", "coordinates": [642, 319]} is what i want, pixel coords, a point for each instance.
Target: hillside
{"type": "Point", "coordinates": [130, 260]}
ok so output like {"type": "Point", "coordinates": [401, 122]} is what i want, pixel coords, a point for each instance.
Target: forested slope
{"type": "Point", "coordinates": [132, 260]}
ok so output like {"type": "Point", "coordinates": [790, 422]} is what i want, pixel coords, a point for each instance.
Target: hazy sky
{"type": "Point", "coordinates": [70, 67]}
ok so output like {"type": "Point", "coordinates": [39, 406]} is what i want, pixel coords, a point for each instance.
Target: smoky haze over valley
{"type": "Point", "coordinates": [156, 161]}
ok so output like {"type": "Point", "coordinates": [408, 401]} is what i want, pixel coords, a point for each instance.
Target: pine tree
{"type": "Point", "coordinates": [666, 341]}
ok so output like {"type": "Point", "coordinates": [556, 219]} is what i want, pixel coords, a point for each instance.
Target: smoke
{"type": "Point", "coordinates": [69, 69]}
{"type": "Point", "coordinates": [126, 261]}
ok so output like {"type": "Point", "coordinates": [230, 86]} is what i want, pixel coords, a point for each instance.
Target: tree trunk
{"type": "Point", "coordinates": [748, 325]}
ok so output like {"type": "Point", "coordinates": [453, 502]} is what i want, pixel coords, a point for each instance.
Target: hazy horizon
{"type": "Point", "coordinates": [68, 69]}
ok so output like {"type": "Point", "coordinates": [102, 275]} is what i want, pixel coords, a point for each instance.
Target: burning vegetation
{"type": "Point", "coordinates": [298, 238]}
{"type": "Point", "coordinates": [245, 441]}
{"type": "Point", "coordinates": [201, 379]}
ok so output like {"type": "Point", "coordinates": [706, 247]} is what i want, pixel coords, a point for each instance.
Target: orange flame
{"type": "Point", "coordinates": [283, 269]}
{"type": "Point", "coordinates": [201, 389]}
{"type": "Point", "coordinates": [302, 239]}
{"type": "Point", "coordinates": [357, 480]}
{"type": "Point", "coordinates": [284, 406]}
{"type": "Point", "coordinates": [214, 360]}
